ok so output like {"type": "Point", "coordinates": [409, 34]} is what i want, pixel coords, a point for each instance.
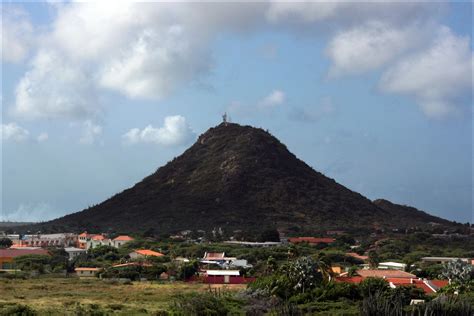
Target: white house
{"type": "Point", "coordinates": [392, 266]}
{"type": "Point", "coordinates": [86, 272]}
{"type": "Point", "coordinates": [73, 252]}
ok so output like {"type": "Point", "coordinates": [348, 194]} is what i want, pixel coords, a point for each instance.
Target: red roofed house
{"type": "Point", "coordinates": [121, 240]}
{"type": "Point", "coordinates": [7, 256]}
{"type": "Point", "coordinates": [222, 277]}
{"type": "Point", "coordinates": [87, 241]}
{"type": "Point", "coordinates": [395, 279]}
{"type": "Point", "coordinates": [311, 240]}
{"type": "Point", "coordinates": [143, 253]}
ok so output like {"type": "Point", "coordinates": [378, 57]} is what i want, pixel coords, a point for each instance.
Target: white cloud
{"type": "Point", "coordinates": [276, 97]}
{"type": "Point", "coordinates": [174, 132]}
{"type": "Point", "coordinates": [370, 46]}
{"type": "Point", "coordinates": [16, 35]}
{"type": "Point", "coordinates": [155, 64]}
{"type": "Point", "coordinates": [90, 132]}
{"type": "Point", "coordinates": [437, 77]}
{"type": "Point", "coordinates": [55, 88]}
{"type": "Point", "coordinates": [42, 137]}
{"type": "Point", "coordinates": [13, 132]}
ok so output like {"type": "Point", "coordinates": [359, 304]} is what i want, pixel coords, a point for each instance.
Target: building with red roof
{"type": "Point", "coordinates": [396, 279]}
{"type": "Point", "coordinates": [143, 253]}
{"type": "Point", "coordinates": [7, 256]}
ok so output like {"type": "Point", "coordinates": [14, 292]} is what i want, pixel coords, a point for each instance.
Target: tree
{"type": "Point", "coordinates": [458, 271]}
{"type": "Point", "coordinates": [188, 270]}
{"type": "Point", "coordinates": [374, 259]}
{"type": "Point", "coordinates": [371, 286]}
{"type": "Point", "coordinates": [304, 275]}
{"type": "Point", "coordinates": [269, 235]}
{"type": "Point", "coordinates": [5, 242]}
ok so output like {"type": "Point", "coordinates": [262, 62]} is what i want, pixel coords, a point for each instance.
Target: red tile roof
{"type": "Point", "coordinates": [123, 238]}
{"type": "Point", "coordinates": [98, 237]}
{"type": "Point", "coordinates": [146, 252]}
{"type": "Point", "coordinates": [13, 253]}
{"type": "Point", "coordinates": [311, 240]}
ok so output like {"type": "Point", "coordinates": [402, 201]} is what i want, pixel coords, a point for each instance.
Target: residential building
{"type": "Point", "coordinates": [86, 272]}
{"type": "Point", "coordinates": [395, 279]}
{"type": "Point", "coordinates": [88, 241]}
{"type": "Point", "coordinates": [369, 273]}
{"type": "Point", "coordinates": [121, 240]}
{"type": "Point", "coordinates": [46, 240]}
{"type": "Point", "coordinates": [224, 277]}
{"type": "Point", "coordinates": [254, 244]}
{"type": "Point", "coordinates": [443, 259]}
{"type": "Point", "coordinates": [7, 256]}
{"type": "Point", "coordinates": [74, 252]}
{"type": "Point", "coordinates": [392, 266]}
{"type": "Point", "coordinates": [144, 253]}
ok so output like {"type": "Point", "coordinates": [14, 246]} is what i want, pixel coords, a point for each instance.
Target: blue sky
{"type": "Point", "coordinates": [95, 96]}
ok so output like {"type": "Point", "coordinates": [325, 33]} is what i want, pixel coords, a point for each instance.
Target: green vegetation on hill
{"type": "Point", "coordinates": [237, 178]}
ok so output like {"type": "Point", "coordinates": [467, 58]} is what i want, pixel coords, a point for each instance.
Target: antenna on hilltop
{"type": "Point", "coordinates": [225, 118]}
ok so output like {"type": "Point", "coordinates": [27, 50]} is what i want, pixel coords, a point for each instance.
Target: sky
{"type": "Point", "coordinates": [98, 95]}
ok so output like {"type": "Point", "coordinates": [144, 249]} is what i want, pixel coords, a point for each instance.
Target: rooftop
{"type": "Point", "coordinates": [385, 274]}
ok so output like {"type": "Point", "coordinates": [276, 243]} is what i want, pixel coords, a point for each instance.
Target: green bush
{"type": "Point", "coordinates": [205, 304]}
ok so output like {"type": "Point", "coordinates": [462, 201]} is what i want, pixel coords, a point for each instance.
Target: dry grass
{"type": "Point", "coordinates": [63, 296]}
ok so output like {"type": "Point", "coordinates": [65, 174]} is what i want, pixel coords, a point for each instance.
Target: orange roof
{"type": "Point", "coordinates": [123, 238]}
{"type": "Point", "coordinates": [98, 237]}
{"type": "Point", "coordinates": [311, 240]}
{"type": "Point", "coordinates": [146, 252]}
{"type": "Point", "coordinates": [86, 269]}
{"type": "Point", "coordinates": [385, 274]}
{"type": "Point", "coordinates": [84, 234]}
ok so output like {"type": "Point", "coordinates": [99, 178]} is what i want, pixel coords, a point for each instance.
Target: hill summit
{"type": "Point", "coordinates": [235, 177]}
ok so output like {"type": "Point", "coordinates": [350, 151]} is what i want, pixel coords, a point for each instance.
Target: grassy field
{"type": "Point", "coordinates": [73, 296]}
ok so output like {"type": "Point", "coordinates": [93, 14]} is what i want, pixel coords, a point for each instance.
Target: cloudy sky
{"type": "Point", "coordinates": [97, 95]}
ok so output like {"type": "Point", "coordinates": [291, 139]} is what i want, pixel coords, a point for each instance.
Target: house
{"type": "Point", "coordinates": [86, 272]}
{"type": "Point", "coordinates": [395, 279]}
{"type": "Point", "coordinates": [225, 277]}
{"type": "Point", "coordinates": [216, 257]}
{"type": "Point", "coordinates": [7, 256]}
{"type": "Point", "coordinates": [311, 240]}
{"type": "Point", "coordinates": [254, 244]}
{"type": "Point", "coordinates": [143, 253]}
{"type": "Point", "coordinates": [121, 240]}
{"type": "Point", "coordinates": [74, 252]}
{"type": "Point", "coordinates": [88, 241]}
{"type": "Point", "coordinates": [442, 259]}
{"type": "Point", "coordinates": [369, 273]}
{"type": "Point", "coordinates": [392, 266]}
{"type": "Point", "coordinates": [46, 240]}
